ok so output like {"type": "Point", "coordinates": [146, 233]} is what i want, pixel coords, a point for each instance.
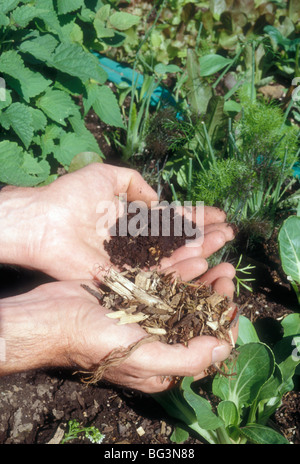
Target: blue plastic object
{"type": "Point", "coordinates": [118, 73]}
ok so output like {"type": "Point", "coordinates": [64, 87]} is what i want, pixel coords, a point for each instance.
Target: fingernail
{"type": "Point", "coordinates": [220, 353]}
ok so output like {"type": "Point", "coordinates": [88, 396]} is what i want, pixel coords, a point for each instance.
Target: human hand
{"type": "Point", "coordinates": [60, 324]}
{"type": "Point", "coordinates": [54, 228]}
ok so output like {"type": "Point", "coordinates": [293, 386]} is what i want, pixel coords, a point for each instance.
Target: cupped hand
{"type": "Point", "coordinates": [61, 324]}
{"type": "Point", "coordinates": [64, 238]}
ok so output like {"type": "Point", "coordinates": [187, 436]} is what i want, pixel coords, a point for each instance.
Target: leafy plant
{"type": "Point", "coordinates": [75, 429]}
{"type": "Point", "coordinates": [248, 393]}
{"type": "Point", "coordinates": [46, 64]}
{"type": "Point", "coordinates": [289, 248]}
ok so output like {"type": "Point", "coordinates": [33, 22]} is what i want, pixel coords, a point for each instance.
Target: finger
{"type": "Point", "coordinates": [181, 254]}
{"type": "Point", "coordinates": [213, 242]}
{"type": "Point", "coordinates": [188, 269]}
{"type": "Point", "coordinates": [223, 227]}
{"type": "Point", "coordinates": [213, 215]}
{"type": "Point", "coordinates": [161, 359]}
{"type": "Point", "coordinates": [221, 270]}
{"type": "Point", "coordinates": [132, 183]}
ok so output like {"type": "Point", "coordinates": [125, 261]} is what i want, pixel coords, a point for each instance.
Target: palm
{"type": "Point", "coordinates": [71, 246]}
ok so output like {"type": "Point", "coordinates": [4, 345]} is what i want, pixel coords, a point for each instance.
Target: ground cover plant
{"type": "Point", "coordinates": [46, 62]}
{"type": "Point", "coordinates": [224, 130]}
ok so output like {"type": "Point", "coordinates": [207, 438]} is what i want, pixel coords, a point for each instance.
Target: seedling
{"type": "Point", "coordinates": [75, 429]}
{"type": "Point", "coordinates": [240, 281]}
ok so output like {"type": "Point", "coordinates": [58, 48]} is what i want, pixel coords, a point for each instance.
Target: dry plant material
{"type": "Point", "coordinates": [168, 309]}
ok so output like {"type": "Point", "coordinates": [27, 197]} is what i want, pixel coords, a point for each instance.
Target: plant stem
{"type": "Point", "coordinates": [223, 437]}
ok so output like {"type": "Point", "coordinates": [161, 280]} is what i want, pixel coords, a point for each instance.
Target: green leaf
{"type": "Point", "coordinates": [289, 247]}
{"type": "Point", "coordinates": [7, 5]}
{"type": "Point", "coordinates": [179, 435]}
{"type": "Point", "coordinates": [24, 14]}
{"type": "Point", "coordinates": [27, 83]}
{"type": "Point", "coordinates": [57, 105]}
{"type": "Point", "coordinates": [71, 145]}
{"type": "Point", "coordinates": [228, 412]}
{"type": "Point", "coordinates": [291, 324]}
{"type": "Point", "coordinates": [19, 117]}
{"type": "Point", "coordinates": [84, 159]}
{"type": "Point", "coordinates": [73, 60]}
{"type": "Point", "coordinates": [247, 332]}
{"type": "Point", "coordinates": [66, 6]}
{"type": "Point", "coordinates": [253, 367]}
{"type": "Point", "coordinates": [215, 119]}
{"type": "Point", "coordinates": [39, 120]}
{"type": "Point", "coordinates": [211, 64]}
{"type": "Point", "coordinates": [40, 47]}
{"type": "Point", "coordinates": [263, 435]}
{"type": "Point", "coordinates": [166, 68]}
{"type": "Point", "coordinates": [123, 21]}
{"type": "Point", "coordinates": [106, 106]}
{"type": "Point", "coordinates": [19, 168]}
{"type": "Point", "coordinates": [202, 408]}
{"type": "Point", "coordinates": [199, 93]}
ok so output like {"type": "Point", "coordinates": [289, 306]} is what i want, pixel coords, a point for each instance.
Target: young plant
{"type": "Point", "coordinates": [241, 281]}
{"type": "Point", "coordinates": [249, 392]}
{"type": "Point", "coordinates": [75, 429]}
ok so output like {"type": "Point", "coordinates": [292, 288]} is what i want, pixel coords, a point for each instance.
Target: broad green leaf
{"type": "Point", "coordinates": [24, 14]}
{"type": "Point", "coordinates": [211, 64]}
{"type": "Point", "coordinates": [73, 60]}
{"type": "Point", "coordinates": [247, 332]}
{"type": "Point", "coordinates": [19, 117]}
{"type": "Point", "coordinates": [199, 93]}
{"type": "Point", "coordinates": [289, 247]}
{"type": "Point", "coordinates": [80, 129]}
{"type": "Point", "coordinates": [52, 133]}
{"type": "Point", "coordinates": [66, 6]}
{"type": "Point", "coordinates": [84, 159]}
{"type": "Point", "coordinates": [70, 145]}
{"type": "Point", "coordinates": [8, 5]}
{"type": "Point", "coordinates": [39, 120]}
{"type": "Point", "coordinates": [179, 435]}
{"type": "Point", "coordinates": [40, 47]}
{"type": "Point", "coordinates": [57, 105]}
{"type": "Point", "coordinates": [227, 410]}
{"type": "Point", "coordinates": [253, 367]}
{"type": "Point", "coordinates": [4, 20]}
{"type": "Point", "coordinates": [215, 119]}
{"type": "Point", "coordinates": [101, 30]}
{"type": "Point", "coordinates": [27, 83]}
{"type": "Point", "coordinates": [123, 21]}
{"type": "Point", "coordinates": [103, 13]}
{"type": "Point", "coordinates": [19, 168]}
{"type": "Point", "coordinates": [263, 435]}
{"type": "Point", "coordinates": [202, 408]}
{"type": "Point", "coordinates": [166, 68]}
{"type": "Point", "coordinates": [291, 324]}
{"type": "Point", "coordinates": [106, 106]}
